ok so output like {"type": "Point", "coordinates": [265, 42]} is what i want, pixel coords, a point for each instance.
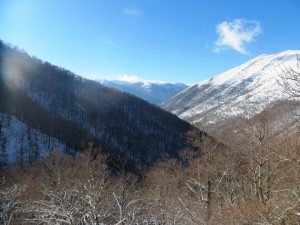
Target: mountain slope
{"type": "Point", "coordinates": [75, 110]}
{"type": "Point", "coordinates": [245, 90]}
{"type": "Point", "coordinates": [153, 92]}
{"type": "Point", "coordinates": [21, 144]}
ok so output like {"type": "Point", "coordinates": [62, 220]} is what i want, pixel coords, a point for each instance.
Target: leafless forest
{"type": "Point", "coordinates": [254, 180]}
{"type": "Point", "coordinates": [251, 175]}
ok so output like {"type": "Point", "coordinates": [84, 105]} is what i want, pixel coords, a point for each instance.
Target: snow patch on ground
{"type": "Point", "coordinates": [18, 140]}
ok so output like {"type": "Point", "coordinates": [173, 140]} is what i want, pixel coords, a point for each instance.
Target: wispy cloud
{"type": "Point", "coordinates": [236, 34]}
{"type": "Point", "coordinates": [133, 11]}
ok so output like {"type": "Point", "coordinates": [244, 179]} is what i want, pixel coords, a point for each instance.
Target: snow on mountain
{"type": "Point", "coordinates": [20, 141]}
{"type": "Point", "coordinates": [151, 91]}
{"type": "Point", "coordinates": [245, 90]}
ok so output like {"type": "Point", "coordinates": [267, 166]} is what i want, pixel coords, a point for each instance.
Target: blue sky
{"type": "Point", "coordinates": [168, 40]}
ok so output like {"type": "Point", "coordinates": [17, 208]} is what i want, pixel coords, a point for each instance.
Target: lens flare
{"type": "Point", "coordinates": [13, 73]}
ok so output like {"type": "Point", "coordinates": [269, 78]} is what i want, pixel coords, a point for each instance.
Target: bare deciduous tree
{"type": "Point", "coordinates": [9, 203]}
{"type": "Point", "coordinates": [290, 80]}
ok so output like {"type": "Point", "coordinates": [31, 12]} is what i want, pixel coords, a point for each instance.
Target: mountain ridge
{"type": "Point", "coordinates": [152, 91]}
{"type": "Point", "coordinates": [76, 111]}
{"type": "Point", "coordinates": [244, 90]}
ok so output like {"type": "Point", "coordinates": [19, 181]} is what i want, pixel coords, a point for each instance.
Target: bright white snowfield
{"type": "Point", "coordinates": [244, 90]}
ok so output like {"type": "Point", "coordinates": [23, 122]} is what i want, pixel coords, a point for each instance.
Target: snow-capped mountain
{"type": "Point", "coordinates": [245, 90]}
{"type": "Point", "coordinates": [153, 92]}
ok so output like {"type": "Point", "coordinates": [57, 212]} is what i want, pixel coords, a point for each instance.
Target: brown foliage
{"type": "Point", "coordinates": [255, 181]}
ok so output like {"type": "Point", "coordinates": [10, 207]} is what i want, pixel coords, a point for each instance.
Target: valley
{"type": "Point", "coordinates": [149, 112]}
{"type": "Point", "coordinates": [74, 151]}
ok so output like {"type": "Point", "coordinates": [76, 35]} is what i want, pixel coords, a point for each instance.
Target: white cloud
{"type": "Point", "coordinates": [133, 78]}
{"type": "Point", "coordinates": [133, 11]}
{"type": "Point", "coordinates": [129, 78]}
{"type": "Point", "coordinates": [236, 34]}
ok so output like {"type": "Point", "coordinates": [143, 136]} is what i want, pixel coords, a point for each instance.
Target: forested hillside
{"type": "Point", "coordinates": [256, 181]}
{"type": "Point", "coordinates": [252, 179]}
{"type": "Point", "coordinates": [76, 110]}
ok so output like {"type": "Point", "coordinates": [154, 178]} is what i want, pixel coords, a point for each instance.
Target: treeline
{"type": "Point", "coordinates": [256, 181]}
{"type": "Point", "coordinates": [76, 110]}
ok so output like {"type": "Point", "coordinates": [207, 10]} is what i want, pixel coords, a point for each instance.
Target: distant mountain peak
{"type": "Point", "coordinates": [151, 91]}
